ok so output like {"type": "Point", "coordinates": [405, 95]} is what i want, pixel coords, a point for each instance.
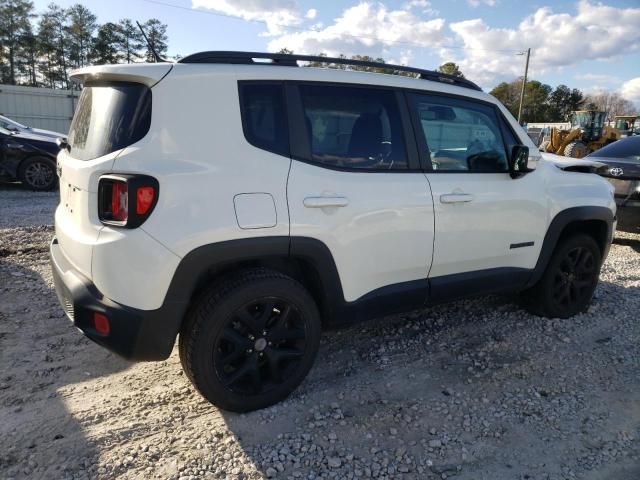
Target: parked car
{"type": "Point", "coordinates": [29, 158]}
{"type": "Point", "coordinates": [296, 199]}
{"type": "Point", "coordinates": [13, 126]}
{"type": "Point", "coordinates": [622, 160]}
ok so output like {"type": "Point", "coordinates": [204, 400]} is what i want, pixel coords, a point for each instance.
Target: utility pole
{"type": "Point", "coordinates": [524, 84]}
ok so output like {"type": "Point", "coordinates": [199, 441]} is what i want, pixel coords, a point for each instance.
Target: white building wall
{"type": "Point", "coordinates": [39, 107]}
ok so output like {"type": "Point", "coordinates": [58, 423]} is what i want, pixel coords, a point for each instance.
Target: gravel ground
{"type": "Point", "coordinates": [476, 389]}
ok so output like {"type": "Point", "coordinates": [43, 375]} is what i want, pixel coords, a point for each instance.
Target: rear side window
{"type": "Point", "coordinates": [264, 118]}
{"type": "Point", "coordinates": [351, 127]}
{"type": "Point", "coordinates": [109, 116]}
{"type": "Point", "coordinates": [460, 135]}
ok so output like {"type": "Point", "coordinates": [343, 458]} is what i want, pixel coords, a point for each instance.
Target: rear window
{"type": "Point", "coordinates": [109, 116]}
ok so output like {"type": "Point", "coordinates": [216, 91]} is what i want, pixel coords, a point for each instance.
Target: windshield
{"type": "Point", "coordinates": [624, 148]}
{"type": "Point", "coordinates": [110, 116]}
{"type": "Point", "coordinates": [7, 123]}
{"type": "Point", "coordinates": [585, 119]}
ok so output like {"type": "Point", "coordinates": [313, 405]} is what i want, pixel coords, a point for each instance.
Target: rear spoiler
{"type": "Point", "coordinates": [146, 73]}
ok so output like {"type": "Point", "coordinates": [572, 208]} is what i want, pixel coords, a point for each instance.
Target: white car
{"type": "Point", "coordinates": [247, 205]}
{"type": "Point", "coordinates": [13, 126]}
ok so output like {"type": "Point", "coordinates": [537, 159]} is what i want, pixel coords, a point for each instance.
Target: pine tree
{"type": "Point", "coordinates": [15, 16]}
{"type": "Point", "coordinates": [105, 47]}
{"type": "Point", "coordinates": [157, 34]}
{"type": "Point", "coordinates": [82, 25]}
{"type": "Point", "coordinates": [130, 41]}
{"type": "Point", "coordinates": [48, 65]}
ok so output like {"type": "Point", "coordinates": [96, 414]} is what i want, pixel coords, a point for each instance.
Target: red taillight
{"type": "Point", "coordinates": [101, 323]}
{"type": "Point", "coordinates": [126, 200]}
{"type": "Point", "coordinates": [119, 201]}
{"type": "Point", "coordinates": [144, 199]}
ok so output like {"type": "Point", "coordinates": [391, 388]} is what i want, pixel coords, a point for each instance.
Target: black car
{"type": "Point", "coordinates": [29, 158]}
{"type": "Point", "coordinates": [622, 160]}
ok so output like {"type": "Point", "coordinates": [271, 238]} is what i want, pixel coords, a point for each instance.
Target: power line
{"type": "Point", "coordinates": [304, 30]}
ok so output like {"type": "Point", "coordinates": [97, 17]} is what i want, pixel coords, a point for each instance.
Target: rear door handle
{"type": "Point", "coordinates": [456, 198]}
{"type": "Point", "coordinates": [322, 202]}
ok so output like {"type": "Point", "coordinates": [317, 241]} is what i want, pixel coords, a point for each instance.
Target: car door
{"type": "Point", "coordinates": [356, 186]}
{"type": "Point", "coordinates": [489, 227]}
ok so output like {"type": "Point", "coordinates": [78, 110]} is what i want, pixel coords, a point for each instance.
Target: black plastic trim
{"type": "Point", "coordinates": [521, 245]}
{"type": "Point", "coordinates": [482, 282]}
{"type": "Point", "coordinates": [559, 223]}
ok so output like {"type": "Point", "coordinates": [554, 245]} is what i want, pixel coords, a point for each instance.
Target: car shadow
{"type": "Point", "coordinates": [45, 363]}
{"type": "Point", "coordinates": [634, 243]}
{"type": "Point", "coordinates": [388, 386]}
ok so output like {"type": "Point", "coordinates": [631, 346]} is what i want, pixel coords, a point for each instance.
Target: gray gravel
{"type": "Point", "coordinates": [472, 390]}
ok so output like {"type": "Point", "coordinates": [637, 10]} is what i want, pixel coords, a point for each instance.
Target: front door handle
{"type": "Point", "coordinates": [456, 198]}
{"type": "Point", "coordinates": [323, 202]}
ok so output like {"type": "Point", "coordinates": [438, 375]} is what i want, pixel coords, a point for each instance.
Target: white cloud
{"type": "Point", "coordinates": [598, 77]}
{"type": "Point", "coordinates": [595, 32]}
{"type": "Point", "coordinates": [477, 3]}
{"type": "Point", "coordinates": [311, 13]}
{"type": "Point", "coordinates": [631, 91]}
{"type": "Point", "coordinates": [275, 13]}
{"type": "Point", "coordinates": [365, 29]}
{"type": "Point", "coordinates": [424, 6]}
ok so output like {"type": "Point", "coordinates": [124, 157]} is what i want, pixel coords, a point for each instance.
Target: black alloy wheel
{"type": "Point", "coordinates": [262, 343]}
{"type": "Point", "coordinates": [574, 277]}
{"type": "Point", "coordinates": [568, 283]}
{"type": "Point", "coordinates": [250, 339]}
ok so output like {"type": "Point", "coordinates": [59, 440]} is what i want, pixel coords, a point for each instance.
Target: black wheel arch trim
{"type": "Point", "coordinates": [150, 335]}
{"type": "Point", "coordinates": [560, 223]}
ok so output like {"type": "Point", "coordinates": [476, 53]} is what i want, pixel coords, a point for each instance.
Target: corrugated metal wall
{"type": "Point", "coordinates": [39, 107]}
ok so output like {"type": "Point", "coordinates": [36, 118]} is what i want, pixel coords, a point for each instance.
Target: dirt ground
{"type": "Point", "coordinates": [472, 390]}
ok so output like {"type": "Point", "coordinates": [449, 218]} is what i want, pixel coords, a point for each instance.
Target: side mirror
{"type": "Point", "coordinates": [62, 143]}
{"type": "Point", "coordinates": [518, 162]}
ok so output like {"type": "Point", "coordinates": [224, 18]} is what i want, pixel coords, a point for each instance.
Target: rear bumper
{"type": "Point", "coordinates": [134, 334]}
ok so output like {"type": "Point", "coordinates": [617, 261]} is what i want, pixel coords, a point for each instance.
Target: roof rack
{"type": "Point", "coordinates": [289, 60]}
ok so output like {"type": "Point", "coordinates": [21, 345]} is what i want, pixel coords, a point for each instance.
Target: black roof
{"type": "Point", "coordinates": [290, 60]}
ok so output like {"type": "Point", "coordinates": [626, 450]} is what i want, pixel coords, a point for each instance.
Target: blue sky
{"type": "Point", "coordinates": [582, 43]}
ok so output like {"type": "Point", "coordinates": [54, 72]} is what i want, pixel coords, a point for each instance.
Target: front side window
{"type": "Point", "coordinates": [264, 116]}
{"type": "Point", "coordinates": [352, 127]}
{"type": "Point", "coordinates": [460, 135]}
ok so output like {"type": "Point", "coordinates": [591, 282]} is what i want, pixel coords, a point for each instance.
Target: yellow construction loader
{"type": "Point", "coordinates": [587, 133]}
{"type": "Point", "coordinates": [628, 125]}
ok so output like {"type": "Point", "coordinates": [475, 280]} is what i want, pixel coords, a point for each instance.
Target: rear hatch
{"type": "Point", "coordinates": [113, 112]}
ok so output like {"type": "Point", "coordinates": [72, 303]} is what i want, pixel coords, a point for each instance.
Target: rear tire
{"type": "Point", "coordinates": [38, 173]}
{"type": "Point", "coordinates": [249, 341]}
{"type": "Point", "coordinates": [568, 283]}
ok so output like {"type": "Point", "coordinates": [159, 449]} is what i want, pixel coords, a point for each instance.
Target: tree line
{"type": "Point", "coordinates": [542, 103]}
{"type": "Point", "coordinates": [40, 49]}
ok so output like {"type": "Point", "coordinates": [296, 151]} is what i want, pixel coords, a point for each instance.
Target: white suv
{"type": "Point", "coordinates": [246, 205]}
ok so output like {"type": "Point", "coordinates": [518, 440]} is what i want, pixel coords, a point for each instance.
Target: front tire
{"type": "Point", "coordinates": [568, 283]}
{"type": "Point", "coordinates": [249, 341]}
{"type": "Point", "coordinates": [576, 149]}
{"type": "Point", "coordinates": [38, 173]}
